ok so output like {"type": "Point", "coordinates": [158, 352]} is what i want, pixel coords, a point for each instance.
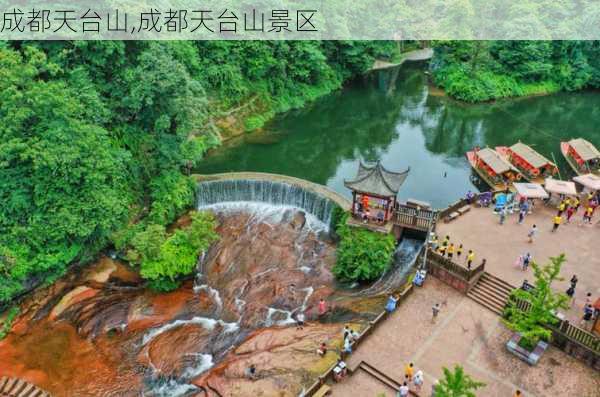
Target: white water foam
{"type": "Point", "coordinates": [206, 323]}
{"type": "Point", "coordinates": [213, 293]}
{"type": "Point", "coordinates": [204, 363]}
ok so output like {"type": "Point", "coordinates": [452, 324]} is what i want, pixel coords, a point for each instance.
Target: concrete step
{"type": "Point", "coordinates": [491, 289]}
{"type": "Point", "coordinates": [13, 387]}
{"type": "Point", "coordinates": [486, 304]}
{"type": "Point", "coordinates": [498, 282]}
{"type": "Point", "coordinates": [485, 294]}
{"type": "Point", "coordinates": [387, 380]}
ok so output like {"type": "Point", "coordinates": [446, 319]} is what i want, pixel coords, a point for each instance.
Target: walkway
{"type": "Point", "coordinates": [416, 55]}
{"type": "Point", "coordinates": [502, 244]}
{"type": "Point", "coordinates": [467, 334]}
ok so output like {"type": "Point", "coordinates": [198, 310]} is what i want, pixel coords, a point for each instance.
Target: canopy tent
{"type": "Point", "coordinates": [590, 181]}
{"type": "Point", "coordinates": [531, 190]}
{"type": "Point", "coordinates": [585, 150]}
{"type": "Point", "coordinates": [561, 187]}
{"type": "Point", "coordinates": [493, 160]}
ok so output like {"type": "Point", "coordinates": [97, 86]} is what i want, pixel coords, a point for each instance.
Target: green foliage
{"type": "Point", "coordinates": [362, 255]}
{"type": "Point", "coordinates": [457, 384]}
{"type": "Point", "coordinates": [163, 258]}
{"type": "Point", "coordinates": [6, 325]}
{"type": "Point", "coordinates": [477, 71]}
{"type": "Point", "coordinates": [95, 136]}
{"type": "Point", "coordinates": [544, 302]}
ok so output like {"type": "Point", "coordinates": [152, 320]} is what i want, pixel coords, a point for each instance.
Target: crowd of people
{"type": "Point", "coordinates": [452, 251]}
{"type": "Point", "coordinates": [569, 207]}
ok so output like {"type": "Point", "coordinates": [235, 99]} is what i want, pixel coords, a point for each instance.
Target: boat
{"type": "Point", "coordinates": [533, 166]}
{"type": "Point", "coordinates": [582, 156]}
{"type": "Point", "coordinates": [498, 173]}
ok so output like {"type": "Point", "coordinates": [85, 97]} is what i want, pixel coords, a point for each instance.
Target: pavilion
{"type": "Point", "coordinates": [374, 191]}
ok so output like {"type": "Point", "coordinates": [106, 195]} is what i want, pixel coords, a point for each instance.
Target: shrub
{"type": "Point", "coordinates": [457, 384]}
{"type": "Point", "coordinates": [362, 255]}
{"type": "Point", "coordinates": [8, 321]}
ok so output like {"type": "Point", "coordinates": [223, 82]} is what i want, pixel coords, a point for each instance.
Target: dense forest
{"type": "Point", "coordinates": [97, 138]}
{"type": "Point", "coordinates": [476, 71]}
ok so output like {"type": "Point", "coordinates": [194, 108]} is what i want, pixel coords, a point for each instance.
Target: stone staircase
{"type": "Point", "coordinates": [12, 387]}
{"type": "Point", "coordinates": [491, 292]}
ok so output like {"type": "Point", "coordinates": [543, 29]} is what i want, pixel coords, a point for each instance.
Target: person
{"type": "Point", "coordinates": [347, 346]}
{"type": "Point", "coordinates": [446, 241]}
{"type": "Point", "coordinates": [380, 216]}
{"type": "Point", "coordinates": [403, 390]}
{"type": "Point", "coordinates": [347, 331]}
{"type": "Point", "coordinates": [409, 371]}
{"type": "Point", "coordinates": [576, 203]}
{"type": "Point", "coordinates": [390, 305]}
{"type": "Point", "coordinates": [588, 298]}
{"type": "Point", "coordinates": [435, 311]}
{"type": "Point", "coordinates": [526, 260]}
{"type": "Point", "coordinates": [574, 280]}
{"type": "Point", "coordinates": [570, 212]}
{"type": "Point", "coordinates": [434, 387]}
{"type": "Point", "coordinates": [322, 307]}
{"type": "Point", "coordinates": [532, 233]}
{"type": "Point", "coordinates": [517, 393]}
{"type": "Point", "coordinates": [300, 320]}
{"type": "Point", "coordinates": [519, 262]}
{"type": "Point", "coordinates": [434, 242]}
{"type": "Point", "coordinates": [587, 215]}
{"type": "Point", "coordinates": [459, 251]}
{"type": "Point", "coordinates": [418, 380]}
{"type": "Point", "coordinates": [251, 372]}
{"type": "Point", "coordinates": [442, 250]}
{"type": "Point", "coordinates": [322, 349]}
{"type": "Point", "coordinates": [522, 213]}
{"type": "Point", "coordinates": [450, 251]}
{"type": "Point", "coordinates": [502, 215]}
{"type": "Point", "coordinates": [561, 208]}
{"type": "Point", "coordinates": [570, 292]}
{"type": "Point", "coordinates": [470, 257]}
{"type": "Point", "coordinates": [556, 223]}
{"type": "Point", "coordinates": [354, 335]}
{"type": "Point", "coordinates": [588, 311]}
{"type": "Point", "coordinates": [470, 197]}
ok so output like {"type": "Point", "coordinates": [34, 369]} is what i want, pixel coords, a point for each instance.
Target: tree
{"type": "Point", "coordinates": [543, 303]}
{"type": "Point", "coordinates": [165, 259]}
{"type": "Point", "coordinates": [457, 384]}
{"type": "Point", "coordinates": [362, 255]}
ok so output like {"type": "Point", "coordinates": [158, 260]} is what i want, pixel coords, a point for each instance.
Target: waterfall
{"type": "Point", "coordinates": [279, 194]}
{"type": "Point", "coordinates": [404, 259]}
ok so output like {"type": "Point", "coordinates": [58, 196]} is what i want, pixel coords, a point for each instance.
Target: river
{"type": "Point", "coordinates": [404, 125]}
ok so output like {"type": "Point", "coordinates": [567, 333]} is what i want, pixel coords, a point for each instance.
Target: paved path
{"type": "Point", "coordinates": [502, 244]}
{"type": "Point", "coordinates": [467, 334]}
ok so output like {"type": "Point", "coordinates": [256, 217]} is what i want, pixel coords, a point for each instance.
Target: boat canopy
{"type": "Point", "coordinates": [590, 181]}
{"type": "Point", "coordinates": [531, 190]}
{"type": "Point", "coordinates": [533, 158]}
{"type": "Point", "coordinates": [584, 149]}
{"type": "Point", "coordinates": [561, 187]}
{"type": "Point", "coordinates": [493, 160]}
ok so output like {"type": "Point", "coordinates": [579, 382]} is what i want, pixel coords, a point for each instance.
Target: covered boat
{"type": "Point", "coordinates": [582, 156]}
{"type": "Point", "coordinates": [533, 166]}
{"type": "Point", "coordinates": [498, 173]}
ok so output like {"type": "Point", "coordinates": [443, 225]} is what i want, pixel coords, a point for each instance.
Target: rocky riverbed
{"type": "Point", "coordinates": [99, 332]}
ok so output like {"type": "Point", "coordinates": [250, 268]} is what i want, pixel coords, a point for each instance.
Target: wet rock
{"type": "Point", "coordinates": [76, 295]}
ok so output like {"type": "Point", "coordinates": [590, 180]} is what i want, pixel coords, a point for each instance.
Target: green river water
{"type": "Point", "coordinates": [407, 125]}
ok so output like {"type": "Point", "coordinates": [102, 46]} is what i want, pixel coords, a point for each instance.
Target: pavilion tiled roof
{"type": "Point", "coordinates": [377, 180]}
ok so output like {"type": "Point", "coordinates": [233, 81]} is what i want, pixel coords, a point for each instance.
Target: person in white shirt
{"type": "Point", "coordinates": [403, 391]}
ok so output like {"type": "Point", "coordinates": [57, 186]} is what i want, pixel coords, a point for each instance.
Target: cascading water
{"type": "Point", "coordinates": [405, 257]}
{"type": "Point", "coordinates": [278, 194]}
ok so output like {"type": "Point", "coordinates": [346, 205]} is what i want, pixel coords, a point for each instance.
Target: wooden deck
{"type": "Point", "coordinates": [403, 216]}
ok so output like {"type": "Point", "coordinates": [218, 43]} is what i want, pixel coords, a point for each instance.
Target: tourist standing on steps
{"type": "Point", "coordinates": [556, 223]}
{"type": "Point", "coordinates": [532, 233]}
{"type": "Point", "coordinates": [435, 311]}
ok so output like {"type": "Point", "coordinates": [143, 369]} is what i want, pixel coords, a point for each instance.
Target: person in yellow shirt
{"type": "Point", "coordinates": [470, 258]}
{"type": "Point", "coordinates": [557, 222]}
{"type": "Point", "coordinates": [587, 216]}
{"type": "Point", "coordinates": [450, 251]}
{"type": "Point", "coordinates": [576, 203]}
{"type": "Point", "coordinates": [561, 207]}
{"type": "Point", "coordinates": [459, 251]}
{"type": "Point", "coordinates": [409, 371]}
{"type": "Point", "coordinates": [518, 394]}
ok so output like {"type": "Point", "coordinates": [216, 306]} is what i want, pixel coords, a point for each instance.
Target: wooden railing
{"type": "Point", "coordinates": [415, 218]}
{"type": "Point", "coordinates": [433, 258]}
{"type": "Point", "coordinates": [564, 333]}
